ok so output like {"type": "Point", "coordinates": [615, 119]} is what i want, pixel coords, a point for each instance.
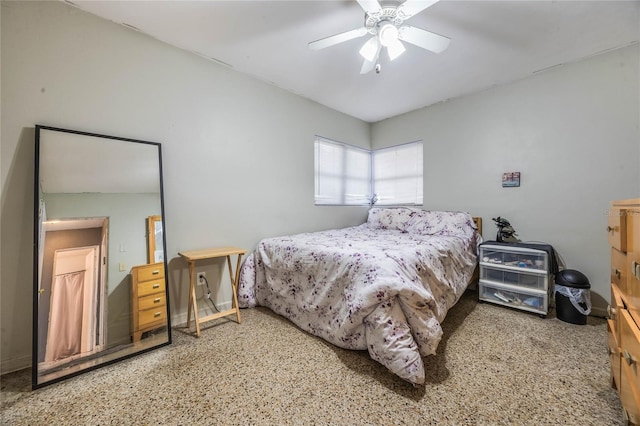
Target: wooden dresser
{"type": "Point", "coordinates": [623, 334]}
{"type": "Point", "coordinates": [149, 299]}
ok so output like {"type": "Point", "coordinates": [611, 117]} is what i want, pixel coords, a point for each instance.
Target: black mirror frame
{"type": "Point", "coordinates": [36, 236]}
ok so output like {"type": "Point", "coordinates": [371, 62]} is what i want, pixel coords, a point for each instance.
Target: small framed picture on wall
{"type": "Point", "coordinates": [510, 179]}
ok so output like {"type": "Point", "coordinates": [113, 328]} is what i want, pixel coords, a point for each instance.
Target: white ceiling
{"type": "Point", "coordinates": [492, 43]}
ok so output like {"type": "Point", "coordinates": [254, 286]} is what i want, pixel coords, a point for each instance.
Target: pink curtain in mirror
{"type": "Point", "coordinates": [65, 318]}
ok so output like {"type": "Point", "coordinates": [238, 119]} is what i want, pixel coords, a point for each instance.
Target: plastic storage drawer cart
{"type": "Point", "coordinates": [515, 276]}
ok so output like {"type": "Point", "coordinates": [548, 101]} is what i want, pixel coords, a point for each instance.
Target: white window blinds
{"type": "Point", "coordinates": [349, 175]}
{"type": "Point", "coordinates": [397, 174]}
{"type": "Point", "coordinates": [342, 173]}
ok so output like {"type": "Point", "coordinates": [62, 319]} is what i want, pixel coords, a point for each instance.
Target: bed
{"type": "Point", "coordinates": [383, 286]}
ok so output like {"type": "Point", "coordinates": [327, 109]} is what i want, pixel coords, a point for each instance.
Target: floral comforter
{"type": "Point", "coordinates": [384, 286]}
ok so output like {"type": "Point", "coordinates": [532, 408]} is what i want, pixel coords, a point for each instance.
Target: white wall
{"type": "Point", "coordinates": [237, 153]}
{"type": "Point", "coordinates": [573, 134]}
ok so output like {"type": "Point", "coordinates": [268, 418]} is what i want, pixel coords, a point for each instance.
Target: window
{"type": "Point", "coordinates": [397, 174]}
{"type": "Point", "coordinates": [348, 175]}
{"type": "Point", "coordinates": [343, 173]}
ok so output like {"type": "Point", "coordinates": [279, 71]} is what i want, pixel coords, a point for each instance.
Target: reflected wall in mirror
{"type": "Point", "coordinates": [99, 291]}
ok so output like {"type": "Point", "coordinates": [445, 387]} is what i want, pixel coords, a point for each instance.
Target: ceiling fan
{"type": "Point", "coordinates": [386, 25]}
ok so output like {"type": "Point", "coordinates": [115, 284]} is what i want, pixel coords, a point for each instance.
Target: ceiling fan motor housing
{"type": "Point", "coordinates": [373, 22]}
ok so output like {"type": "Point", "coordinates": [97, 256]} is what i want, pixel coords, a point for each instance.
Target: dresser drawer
{"type": "Point", "coordinates": [619, 269]}
{"type": "Point", "coordinates": [153, 301]}
{"type": "Point", "coordinates": [630, 368]}
{"type": "Point", "coordinates": [150, 272]}
{"type": "Point", "coordinates": [151, 316]}
{"type": "Point", "coordinates": [150, 287]}
{"type": "Point", "coordinates": [629, 396]}
{"type": "Point", "coordinates": [614, 309]}
{"type": "Point", "coordinates": [617, 229]}
{"type": "Point", "coordinates": [632, 289]}
{"type": "Point", "coordinates": [614, 353]}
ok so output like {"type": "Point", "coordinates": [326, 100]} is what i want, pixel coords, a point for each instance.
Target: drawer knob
{"type": "Point", "coordinates": [611, 312]}
{"type": "Point", "coordinates": [156, 300]}
{"type": "Point", "coordinates": [617, 273]}
{"type": "Point", "coordinates": [627, 356]}
{"type": "Point", "coordinates": [156, 272]}
{"type": "Point", "coordinates": [156, 285]}
{"type": "Point", "coordinates": [610, 229]}
{"type": "Point", "coordinates": [157, 314]}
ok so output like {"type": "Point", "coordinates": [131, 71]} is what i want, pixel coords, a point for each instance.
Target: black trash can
{"type": "Point", "coordinates": [573, 298]}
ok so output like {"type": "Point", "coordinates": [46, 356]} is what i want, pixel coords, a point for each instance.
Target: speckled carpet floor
{"type": "Point", "coordinates": [494, 366]}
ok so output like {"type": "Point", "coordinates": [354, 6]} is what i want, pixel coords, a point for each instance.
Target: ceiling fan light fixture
{"type": "Point", "coordinates": [369, 50]}
{"type": "Point", "coordinates": [395, 49]}
{"type": "Point", "coordinates": [384, 22]}
{"type": "Point", "coordinates": [388, 34]}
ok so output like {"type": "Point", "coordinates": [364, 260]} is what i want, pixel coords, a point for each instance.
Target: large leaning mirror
{"type": "Point", "coordinates": [99, 276]}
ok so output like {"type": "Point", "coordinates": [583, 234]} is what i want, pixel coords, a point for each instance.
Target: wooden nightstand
{"type": "Point", "coordinates": [517, 275]}
{"type": "Point", "coordinates": [149, 298]}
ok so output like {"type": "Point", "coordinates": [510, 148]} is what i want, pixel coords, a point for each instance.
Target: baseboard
{"type": "Point", "coordinates": [15, 364]}
{"type": "Point", "coordinates": [598, 312]}
{"type": "Point", "coordinates": [180, 319]}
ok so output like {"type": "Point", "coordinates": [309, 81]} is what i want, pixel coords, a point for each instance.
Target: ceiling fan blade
{"type": "Point", "coordinates": [370, 6]}
{"type": "Point", "coordinates": [367, 65]}
{"type": "Point", "coordinates": [370, 49]}
{"type": "Point", "coordinates": [422, 38]}
{"type": "Point", "coordinates": [395, 49]}
{"type": "Point", "coordinates": [337, 38]}
{"type": "Point", "coordinates": [412, 7]}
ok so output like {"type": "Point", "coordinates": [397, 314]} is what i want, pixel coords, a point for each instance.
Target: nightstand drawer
{"type": "Point", "coordinates": [150, 287]}
{"type": "Point", "coordinates": [151, 316]}
{"type": "Point", "coordinates": [153, 301]}
{"type": "Point", "coordinates": [497, 275]}
{"type": "Point", "coordinates": [514, 257]}
{"type": "Point", "coordinates": [534, 301]}
{"type": "Point", "coordinates": [150, 272]}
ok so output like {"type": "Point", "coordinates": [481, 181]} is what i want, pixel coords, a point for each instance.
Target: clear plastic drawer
{"type": "Point", "coordinates": [498, 275]}
{"type": "Point", "coordinates": [533, 302]}
{"type": "Point", "coordinates": [515, 257]}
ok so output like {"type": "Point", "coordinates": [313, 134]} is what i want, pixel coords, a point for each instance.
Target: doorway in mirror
{"type": "Point", "coordinates": [71, 291]}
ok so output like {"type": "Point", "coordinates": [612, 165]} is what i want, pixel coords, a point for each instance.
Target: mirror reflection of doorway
{"type": "Point", "coordinates": [73, 305]}
{"type": "Point", "coordinates": [155, 239]}
{"type": "Point", "coordinates": [72, 295]}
